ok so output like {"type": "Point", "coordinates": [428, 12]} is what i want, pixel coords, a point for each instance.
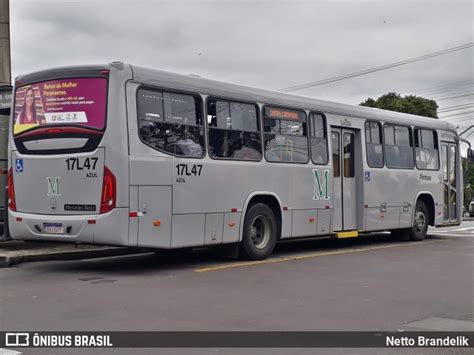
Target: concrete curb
{"type": "Point", "coordinates": [7, 261]}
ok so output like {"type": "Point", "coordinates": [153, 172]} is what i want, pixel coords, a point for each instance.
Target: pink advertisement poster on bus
{"type": "Point", "coordinates": [80, 101]}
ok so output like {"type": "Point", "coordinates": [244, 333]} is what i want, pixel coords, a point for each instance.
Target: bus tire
{"type": "Point", "coordinates": [259, 233]}
{"type": "Point", "coordinates": [420, 222]}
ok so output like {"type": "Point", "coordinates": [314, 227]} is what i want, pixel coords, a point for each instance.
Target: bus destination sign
{"type": "Point", "coordinates": [283, 114]}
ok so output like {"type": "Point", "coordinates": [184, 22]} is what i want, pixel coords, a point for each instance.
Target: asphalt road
{"type": "Point", "coordinates": [366, 283]}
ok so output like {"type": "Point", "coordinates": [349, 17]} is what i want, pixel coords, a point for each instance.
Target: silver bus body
{"type": "Point", "coordinates": [167, 201]}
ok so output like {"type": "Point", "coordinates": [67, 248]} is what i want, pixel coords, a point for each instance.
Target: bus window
{"type": "Point", "coordinates": [75, 107]}
{"type": "Point", "coordinates": [349, 169]}
{"type": "Point", "coordinates": [336, 154]}
{"type": "Point", "coordinates": [373, 143]}
{"type": "Point", "coordinates": [426, 148]}
{"type": "Point", "coordinates": [233, 130]}
{"type": "Point", "coordinates": [452, 182]}
{"type": "Point", "coordinates": [285, 136]}
{"type": "Point", "coordinates": [171, 122]}
{"type": "Point", "coordinates": [389, 135]}
{"type": "Point", "coordinates": [319, 146]}
{"type": "Point", "coordinates": [42, 103]}
{"type": "Point", "coordinates": [398, 147]}
{"type": "Point", "coordinates": [444, 153]}
{"type": "Point", "coordinates": [444, 157]}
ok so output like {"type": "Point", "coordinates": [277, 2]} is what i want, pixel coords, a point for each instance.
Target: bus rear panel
{"type": "Point", "coordinates": [66, 151]}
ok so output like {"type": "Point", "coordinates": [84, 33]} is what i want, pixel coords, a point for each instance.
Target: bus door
{"type": "Point", "coordinates": [448, 157]}
{"type": "Point", "coordinates": [344, 182]}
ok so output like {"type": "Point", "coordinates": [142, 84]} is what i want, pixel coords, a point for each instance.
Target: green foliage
{"type": "Point", "coordinates": [415, 105]}
{"type": "Point", "coordinates": [467, 197]}
{"type": "Point", "coordinates": [468, 170]}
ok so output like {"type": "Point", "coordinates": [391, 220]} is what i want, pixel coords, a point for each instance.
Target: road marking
{"type": "Point", "coordinates": [9, 352]}
{"type": "Point", "coordinates": [461, 229]}
{"type": "Point", "coordinates": [308, 256]}
{"type": "Point", "coordinates": [443, 234]}
{"type": "Point", "coordinates": [443, 324]}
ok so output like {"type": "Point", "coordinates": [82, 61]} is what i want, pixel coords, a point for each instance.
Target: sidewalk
{"type": "Point", "coordinates": [14, 252]}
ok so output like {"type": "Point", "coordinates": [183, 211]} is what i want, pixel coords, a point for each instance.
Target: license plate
{"type": "Point", "coordinates": [54, 228]}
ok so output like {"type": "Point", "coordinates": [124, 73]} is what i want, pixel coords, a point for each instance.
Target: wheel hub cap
{"type": "Point", "coordinates": [420, 221]}
{"type": "Point", "coordinates": [260, 232]}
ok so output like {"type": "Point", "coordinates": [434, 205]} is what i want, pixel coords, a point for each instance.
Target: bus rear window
{"type": "Point", "coordinates": [76, 101]}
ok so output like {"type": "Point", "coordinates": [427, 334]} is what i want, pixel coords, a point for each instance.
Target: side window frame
{"type": "Point", "coordinates": [435, 143]}
{"type": "Point", "coordinates": [382, 141]}
{"type": "Point", "coordinates": [208, 127]}
{"type": "Point", "coordinates": [200, 110]}
{"type": "Point", "coordinates": [303, 111]}
{"type": "Point", "coordinates": [411, 140]}
{"type": "Point", "coordinates": [310, 135]}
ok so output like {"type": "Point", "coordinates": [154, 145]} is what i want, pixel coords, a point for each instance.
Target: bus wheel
{"type": "Point", "coordinates": [259, 233]}
{"type": "Point", "coordinates": [420, 222]}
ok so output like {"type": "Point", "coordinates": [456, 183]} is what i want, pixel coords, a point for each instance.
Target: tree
{"type": "Point", "coordinates": [468, 170]}
{"type": "Point", "coordinates": [467, 197]}
{"type": "Point", "coordinates": [415, 105]}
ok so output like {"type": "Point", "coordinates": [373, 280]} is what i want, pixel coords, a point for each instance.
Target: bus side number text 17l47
{"type": "Point", "coordinates": [188, 170]}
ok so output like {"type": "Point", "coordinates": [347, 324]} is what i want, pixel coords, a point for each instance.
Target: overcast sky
{"type": "Point", "coordinates": [266, 44]}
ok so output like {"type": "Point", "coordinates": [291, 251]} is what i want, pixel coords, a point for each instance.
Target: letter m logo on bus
{"type": "Point", "coordinates": [321, 187]}
{"type": "Point", "coordinates": [53, 186]}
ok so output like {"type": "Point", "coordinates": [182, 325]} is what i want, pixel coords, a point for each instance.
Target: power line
{"type": "Point", "coordinates": [452, 93]}
{"type": "Point", "coordinates": [457, 90]}
{"type": "Point", "coordinates": [454, 97]}
{"type": "Point", "coordinates": [443, 86]}
{"type": "Point", "coordinates": [368, 71]}
{"type": "Point", "coordinates": [462, 125]}
{"type": "Point", "coordinates": [456, 107]}
{"type": "Point", "coordinates": [441, 89]}
{"type": "Point", "coordinates": [462, 128]}
{"type": "Point", "coordinates": [457, 118]}
{"type": "Point", "coordinates": [458, 121]}
{"type": "Point", "coordinates": [457, 114]}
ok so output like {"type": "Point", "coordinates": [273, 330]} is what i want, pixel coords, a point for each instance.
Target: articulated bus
{"type": "Point", "coordinates": [122, 155]}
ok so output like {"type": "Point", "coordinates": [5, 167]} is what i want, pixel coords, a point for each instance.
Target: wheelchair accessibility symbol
{"type": "Point", "coordinates": [19, 165]}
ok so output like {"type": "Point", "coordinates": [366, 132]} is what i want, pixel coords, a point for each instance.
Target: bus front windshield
{"type": "Point", "coordinates": [76, 101]}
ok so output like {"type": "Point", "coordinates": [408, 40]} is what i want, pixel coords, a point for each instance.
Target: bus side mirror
{"type": "Point", "coordinates": [470, 156]}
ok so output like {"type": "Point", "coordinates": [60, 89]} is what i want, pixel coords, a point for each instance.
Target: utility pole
{"type": "Point", "coordinates": [5, 59]}
{"type": "Point", "coordinates": [5, 106]}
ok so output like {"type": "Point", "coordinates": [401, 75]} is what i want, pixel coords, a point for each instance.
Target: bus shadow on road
{"type": "Point", "coordinates": [164, 262]}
